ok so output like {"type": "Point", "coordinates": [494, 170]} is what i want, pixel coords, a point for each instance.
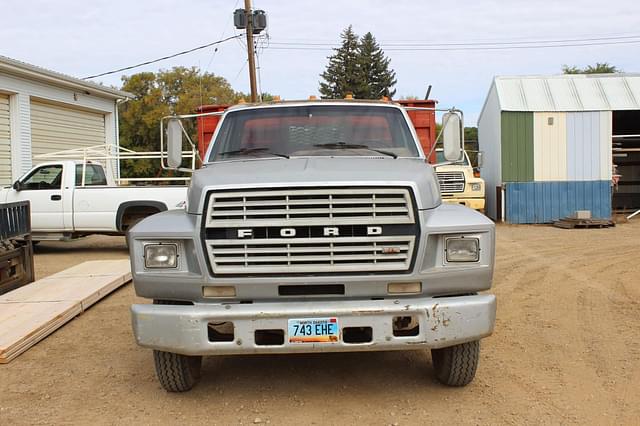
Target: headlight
{"type": "Point", "coordinates": [161, 256]}
{"type": "Point", "coordinates": [462, 249]}
{"type": "Point", "coordinates": [476, 186]}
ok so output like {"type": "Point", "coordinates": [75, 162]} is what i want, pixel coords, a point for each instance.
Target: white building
{"type": "Point", "coordinates": [43, 111]}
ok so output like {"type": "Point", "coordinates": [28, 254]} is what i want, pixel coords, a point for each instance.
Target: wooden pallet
{"type": "Point", "coordinates": [31, 313]}
{"type": "Point", "coordinates": [572, 223]}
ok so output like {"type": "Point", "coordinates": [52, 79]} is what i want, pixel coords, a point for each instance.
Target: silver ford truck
{"type": "Point", "coordinates": [313, 226]}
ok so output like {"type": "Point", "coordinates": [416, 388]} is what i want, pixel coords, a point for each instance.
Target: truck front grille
{"type": "Point", "coordinates": [451, 181]}
{"type": "Point", "coordinates": [310, 230]}
{"type": "Point", "coordinates": [347, 254]}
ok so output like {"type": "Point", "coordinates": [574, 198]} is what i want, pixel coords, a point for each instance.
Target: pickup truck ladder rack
{"type": "Point", "coordinates": [105, 154]}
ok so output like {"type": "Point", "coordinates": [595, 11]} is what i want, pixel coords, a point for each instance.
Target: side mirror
{"type": "Point", "coordinates": [452, 136]}
{"type": "Point", "coordinates": [17, 185]}
{"type": "Point", "coordinates": [480, 159]}
{"type": "Point", "coordinates": [174, 143]}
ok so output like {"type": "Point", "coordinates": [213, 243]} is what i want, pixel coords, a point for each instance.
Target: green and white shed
{"type": "Point", "coordinates": [556, 144]}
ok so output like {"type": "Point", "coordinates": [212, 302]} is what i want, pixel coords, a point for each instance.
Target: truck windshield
{"type": "Point", "coordinates": [317, 130]}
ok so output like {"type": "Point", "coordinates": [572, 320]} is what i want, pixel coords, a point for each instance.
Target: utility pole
{"type": "Point", "coordinates": [250, 51]}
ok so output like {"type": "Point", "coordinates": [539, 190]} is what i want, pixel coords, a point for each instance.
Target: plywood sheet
{"type": "Point", "coordinates": [25, 324]}
{"type": "Point", "coordinates": [32, 312]}
{"type": "Point", "coordinates": [96, 268]}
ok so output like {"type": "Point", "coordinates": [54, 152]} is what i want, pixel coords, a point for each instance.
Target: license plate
{"type": "Point", "coordinates": [313, 330]}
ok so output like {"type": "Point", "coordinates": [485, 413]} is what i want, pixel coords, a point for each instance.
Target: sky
{"type": "Point", "coordinates": [90, 37]}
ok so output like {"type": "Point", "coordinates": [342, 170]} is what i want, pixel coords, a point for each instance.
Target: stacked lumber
{"type": "Point", "coordinates": [30, 313]}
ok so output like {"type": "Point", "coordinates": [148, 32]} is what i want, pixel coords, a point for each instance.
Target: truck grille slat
{"type": "Point", "coordinates": [451, 181]}
{"type": "Point", "coordinates": [241, 249]}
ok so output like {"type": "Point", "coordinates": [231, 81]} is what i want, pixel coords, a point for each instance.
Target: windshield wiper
{"type": "Point", "coordinates": [343, 145]}
{"type": "Point", "coordinates": [249, 151]}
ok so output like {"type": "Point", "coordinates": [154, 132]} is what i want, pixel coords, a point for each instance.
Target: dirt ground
{"type": "Point", "coordinates": [566, 349]}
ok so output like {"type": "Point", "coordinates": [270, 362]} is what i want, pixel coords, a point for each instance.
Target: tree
{"type": "Point", "coordinates": [359, 67]}
{"type": "Point", "coordinates": [375, 77]}
{"type": "Point", "coordinates": [342, 75]}
{"type": "Point", "coordinates": [177, 91]}
{"type": "Point", "coordinates": [598, 68]}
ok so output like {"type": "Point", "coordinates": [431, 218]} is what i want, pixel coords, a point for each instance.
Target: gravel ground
{"type": "Point", "coordinates": [566, 350]}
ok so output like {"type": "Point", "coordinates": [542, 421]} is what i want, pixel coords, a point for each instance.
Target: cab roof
{"type": "Point", "coordinates": [351, 102]}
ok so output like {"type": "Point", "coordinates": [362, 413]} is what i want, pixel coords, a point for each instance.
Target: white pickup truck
{"type": "Point", "coordinates": [66, 206]}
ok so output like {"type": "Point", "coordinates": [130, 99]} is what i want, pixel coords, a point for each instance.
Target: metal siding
{"type": "Point", "coordinates": [584, 146]}
{"type": "Point", "coordinates": [5, 141]}
{"type": "Point", "coordinates": [577, 92]}
{"type": "Point", "coordinates": [634, 87]}
{"type": "Point", "coordinates": [550, 146]}
{"type": "Point", "coordinates": [617, 91]}
{"type": "Point", "coordinates": [517, 146]}
{"type": "Point", "coordinates": [564, 93]}
{"type": "Point", "coordinates": [605, 144]}
{"type": "Point", "coordinates": [537, 95]}
{"type": "Point", "coordinates": [489, 143]}
{"type": "Point", "coordinates": [510, 94]}
{"type": "Point", "coordinates": [56, 127]}
{"type": "Point", "coordinates": [546, 202]}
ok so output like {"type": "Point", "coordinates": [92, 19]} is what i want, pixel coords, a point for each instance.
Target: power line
{"type": "Point", "coordinates": [184, 52]}
{"type": "Point", "coordinates": [493, 47]}
{"type": "Point", "coordinates": [486, 43]}
{"type": "Point", "coordinates": [224, 31]}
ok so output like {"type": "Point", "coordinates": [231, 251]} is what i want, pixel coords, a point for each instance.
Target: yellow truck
{"type": "Point", "coordinates": [459, 184]}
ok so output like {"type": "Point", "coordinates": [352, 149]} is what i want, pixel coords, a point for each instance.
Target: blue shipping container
{"type": "Point", "coordinates": [546, 202]}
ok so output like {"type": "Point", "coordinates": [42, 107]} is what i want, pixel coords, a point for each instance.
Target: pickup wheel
{"type": "Point", "coordinates": [456, 365]}
{"type": "Point", "coordinates": [177, 373]}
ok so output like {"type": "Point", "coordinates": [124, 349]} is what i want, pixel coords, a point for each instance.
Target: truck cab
{"type": "Point", "coordinates": [313, 226]}
{"type": "Point", "coordinates": [458, 182]}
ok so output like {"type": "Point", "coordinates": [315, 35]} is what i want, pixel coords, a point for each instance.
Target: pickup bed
{"type": "Point", "coordinates": [71, 199]}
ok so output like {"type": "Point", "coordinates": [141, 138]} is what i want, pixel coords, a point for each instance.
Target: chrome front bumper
{"type": "Point", "coordinates": [443, 321]}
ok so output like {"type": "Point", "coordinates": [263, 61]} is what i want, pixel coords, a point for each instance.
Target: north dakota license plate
{"type": "Point", "coordinates": [313, 330]}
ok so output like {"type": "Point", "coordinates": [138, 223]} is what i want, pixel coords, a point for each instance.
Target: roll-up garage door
{"type": "Point", "coordinates": [5, 142]}
{"type": "Point", "coordinates": [57, 128]}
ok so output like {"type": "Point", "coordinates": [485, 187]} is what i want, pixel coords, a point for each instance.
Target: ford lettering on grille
{"type": "Point", "coordinates": [310, 230]}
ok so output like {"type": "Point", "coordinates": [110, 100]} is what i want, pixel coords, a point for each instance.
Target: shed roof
{"type": "Point", "coordinates": [572, 92]}
{"type": "Point", "coordinates": [23, 69]}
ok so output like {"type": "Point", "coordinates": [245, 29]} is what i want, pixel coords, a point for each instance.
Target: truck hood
{"type": "Point", "coordinates": [316, 171]}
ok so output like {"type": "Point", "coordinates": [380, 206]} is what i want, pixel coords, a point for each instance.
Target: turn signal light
{"type": "Point", "coordinates": [219, 291]}
{"type": "Point", "coordinates": [404, 288]}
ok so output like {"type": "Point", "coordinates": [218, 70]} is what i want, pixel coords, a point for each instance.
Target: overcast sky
{"type": "Point", "coordinates": [89, 37]}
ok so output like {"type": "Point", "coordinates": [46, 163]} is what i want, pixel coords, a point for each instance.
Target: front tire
{"type": "Point", "coordinates": [456, 365]}
{"type": "Point", "coordinates": [177, 373]}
